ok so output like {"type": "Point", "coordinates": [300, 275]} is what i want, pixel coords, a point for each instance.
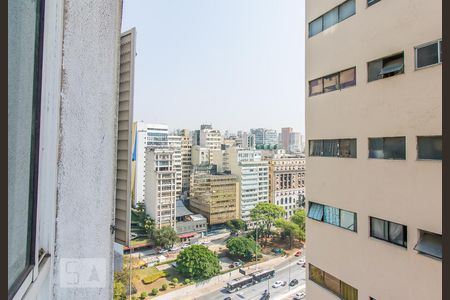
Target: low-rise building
{"type": "Point", "coordinates": [189, 224]}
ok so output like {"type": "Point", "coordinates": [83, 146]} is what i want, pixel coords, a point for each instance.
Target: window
{"type": "Point", "coordinates": [372, 2]}
{"type": "Point", "coordinates": [388, 231]}
{"type": "Point", "coordinates": [24, 89]}
{"type": "Point", "coordinates": [429, 147]}
{"type": "Point", "coordinates": [333, 284]}
{"type": "Point", "coordinates": [333, 82]}
{"type": "Point", "coordinates": [385, 67]}
{"type": "Point", "coordinates": [428, 54]}
{"type": "Point", "coordinates": [332, 17]}
{"type": "Point", "coordinates": [332, 215]}
{"type": "Point", "coordinates": [429, 244]}
{"type": "Point", "coordinates": [333, 148]}
{"type": "Point", "coordinates": [387, 148]}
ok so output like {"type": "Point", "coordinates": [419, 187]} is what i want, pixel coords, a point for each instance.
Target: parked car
{"type": "Point", "coordinates": [283, 283]}
{"type": "Point", "coordinates": [299, 296]}
{"type": "Point", "coordinates": [206, 242]}
{"type": "Point", "coordinates": [133, 235]}
{"type": "Point", "coordinates": [174, 248]}
{"type": "Point", "coordinates": [163, 251]}
{"type": "Point", "coordinates": [298, 253]}
{"type": "Point", "coordinates": [227, 298]}
{"type": "Point", "coordinates": [184, 246]}
{"type": "Point", "coordinates": [301, 262]}
{"type": "Point", "coordinates": [237, 264]}
{"type": "Point", "coordinates": [174, 264]}
{"type": "Point", "coordinates": [293, 282]}
{"type": "Point", "coordinates": [277, 284]}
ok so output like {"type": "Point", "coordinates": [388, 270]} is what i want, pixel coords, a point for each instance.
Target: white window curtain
{"type": "Point", "coordinates": [396, 234]}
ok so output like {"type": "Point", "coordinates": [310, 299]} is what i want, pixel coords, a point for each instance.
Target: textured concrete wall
{"type": "Point", "coordinates": [87, 149]}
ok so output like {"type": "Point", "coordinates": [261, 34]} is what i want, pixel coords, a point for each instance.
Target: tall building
{"type": "Point", "coordinates": [295, 142]}
{"type": "Point", "coordinates": [174, 144]}
{"type": "Point", "coordinates": [160, 186]}
{"type": "Point", "coordinates": [287, 182]}
{"type": "Point", "coordinates": [265, 136]}
{"type": "Point", "coordinates": [147, 135]}
{"type": "Point", "coordinates": [214, 195]}
{"type": "Point", "coordinates": [210, 138]}
{"type": "Point", "coordinates": [286, 137]}
{"type": "Point", "coordinates": [248, 140]}
{"type": "Point", "coordinates": [373, 125]}
{"type": "Point", "coordinates": [186, 148]}
{"type": "Point", "coordinates": [253, 174]}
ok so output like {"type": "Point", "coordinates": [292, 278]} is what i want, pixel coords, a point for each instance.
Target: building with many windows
{"type": "Point", "coordinates": [174, 144]}
{"type": "Point", "coordinates": [373, 126]}
{"type": "Point", "coordinates": [286, 181]}
{"type": "Point", "coordinates": [210, 138]}
{"type": "Point", "coordinates": [286, 137]}
{"type": "Point", "coordinates": [186, 160]}
{"type": "Point", "coordinates": [253, 174]}
{"type": "Point", "coordinates": [160, 186]}
{"type": "Point", "coordinates": [265, 136]}
{"type": "Point", "coordinates": [214, 195]}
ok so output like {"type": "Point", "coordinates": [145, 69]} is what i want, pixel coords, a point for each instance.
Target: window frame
{"type": "Point", "coordinates": [417, 147]}
{"type": "Point", "coordinates": [338, 155]}
{"type": "Point", "coordinates": [388, 240]}
{"type": "Point", "coordinates": [369, 3]}
{"type": "Point", "coordinates": [419, 239]}
{"type": "Point", "coordinates": [339, 20]}
{"type": "Point", "coordinates": [339, 85]}
{"type": "Point", "coordinates": [439, 45]}
{"type": "Point", "coordinates": [323, 284]}
{"type": "Point", "coordinates": [26, 277]}
{"type": "Point", "coordinates": [382, 59]}
{"type": "Point", "coordinates": [384, 156]}
{"type": "Point", "coordinates": [322, 220]}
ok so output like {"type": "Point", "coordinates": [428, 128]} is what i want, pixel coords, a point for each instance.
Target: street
{"type": "Point", "coordinates": [287, 271]}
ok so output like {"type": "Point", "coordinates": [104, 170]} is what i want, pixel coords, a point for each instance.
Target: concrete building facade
{"type": "Point", "coordinates": [210, 138]}
{"type": "Point", "coordinates": [265, 136]}
{"type": "Point", "coordinates": [286, 137]}
{"type": "Point", "coordinates": [186, 160]}
{"type": "Point", "coordinates": [174, 143]}
{"type": "Point", "coordinates": [374, 132]}
{"type": "Point", "coordinates": [160, 186]}
{"type": "Point", "coordinates": [214, 195]}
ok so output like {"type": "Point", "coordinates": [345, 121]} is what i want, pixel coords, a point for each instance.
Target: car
{"type": "Point", "coordinates": [299, 296]}
{"type": "Point", "coordinates": [231, 266]}
{"type": "Point", "coordinates": [293, 282]}
{"type": "Point", "coordinates": [227, 298]}
{"type": "Point", "coordinates": [174, 264]}
{"type": "Point", "coordinates": [184, 246]}
{"type": "Point", "coordinates": [237, 264]}
{"type": "Point", "coordinates": [206, 242]}
{"type": "Point", "coordinates": [133, 235]}
{"type": "Point", "coordinates": [301, 262]}
{"type": "Point", "coordinates": [174, 248]}
{"type": "Point", "coordinates": [304, 265]}
{"type": "Point", "coordinates": [283, 283]}
{"type": "Point", "coordinates": [298, 253]}
{"type": "Point", "coordinates": [277, 284]}
{"type": "Point", "coordinates": [163, 251]}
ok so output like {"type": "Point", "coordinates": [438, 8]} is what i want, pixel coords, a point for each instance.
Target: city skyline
{"type": "Point", "coordinates": [235, 64]}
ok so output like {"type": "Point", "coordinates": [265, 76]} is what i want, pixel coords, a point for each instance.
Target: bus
{"type": "Point", "coordinates": [263, 275]}
{"type": "Point", "coordinates": [239, 283]}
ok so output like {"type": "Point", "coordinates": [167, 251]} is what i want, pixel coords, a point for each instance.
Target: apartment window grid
{"type": "Point", "coordinates": [343, 148]}
{"type": "Point", "coordinates": [332, 284]}
{"type": "Point", "coordinates": [388, 231]}
{"type": "Point", "coordinates": [332, 17]}
{"type": "Point", "coordinates": [428, 54]}
{"type": "Point", "coordinates": [333, 82]}
{"type": "Point", "coordinates": [332, 215]}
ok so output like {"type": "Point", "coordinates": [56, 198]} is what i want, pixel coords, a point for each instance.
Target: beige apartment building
{"type": "Point", "coordinates": [214, 195]}
{"type": "Point", "coordinates": [286, 181]}
{"type": "Point", "coordinates": [186, 148]}
{"type": "Point", "coordinates": [374, 149]}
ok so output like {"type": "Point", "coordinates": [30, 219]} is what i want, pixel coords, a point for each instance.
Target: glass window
{"type": "Point", "coordinates": [316, 275]}
{"type": "Point", "coordinates": [348, 220]}
{"type": "Point", "coordinates": [376, 148]}
{"type": "Point", "coordinates": [427, 55]}
{"type": "Point", "coordinates": [315, 87]}
{"type": "Point", "coordinates": [332, 283]}
{"type": "Point", "coordinates": [430, 244]}
{"type": "Point", "coordinates": [315, 27]}
{"type": "Point", "coordinates": [346, 10]}
{"type": "Point", "coordinates": [315, 211]}
{"type": "Point", "coordinates": [330, 83]}
{"type": "Point", "coordinates": [394, 148]}
{"type": "Point", "coordinates": [330, 148]}
{"type": "Point", "coordinates": [331, 215]}
{"type": "Point", "coordinates": [330, 18]}
{"type": "Point", "coordinates": [372, 2]}
{"type": "Point", "coordinates": [23, 115]}
{"type": "Point", "coordinates": [347, 148]}
{"type": "Point", "coordinates": [315, 148]}
{"type": "Point", "coordinates": [429, 147]}
{"type": "Point", "coordinates": [440, 51]}
{"type": "Point", "coordinates": [379, 228]}
{"type": "Point", "coordinates": [374, 69]}
{"type": "Point", "coordinates": [392, 65]}
{"type": "Point", "coordinates": [397, 234]}
{"type": "Point", "coordinates": [347, 78]}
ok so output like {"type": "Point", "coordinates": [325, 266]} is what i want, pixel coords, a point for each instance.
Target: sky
{"type": "Point", "coordinates": [235, 64]}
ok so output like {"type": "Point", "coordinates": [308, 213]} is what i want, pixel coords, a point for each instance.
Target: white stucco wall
{"type": "Point", "coordinates": [87, 140]}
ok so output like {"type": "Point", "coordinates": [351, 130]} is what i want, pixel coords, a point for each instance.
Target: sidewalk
{"type": "Point", "coordinates": [291, 293]}
{"type": "Point", "coordinates": [205, 287]}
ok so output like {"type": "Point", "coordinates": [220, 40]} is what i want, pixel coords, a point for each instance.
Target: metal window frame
{"type": "Point", "coordinates": [388, 240]}
{"type": "Point", "coordinates": [382, 64]}
{"type": "Point", "coordinates": [26, 277]}
{"type": "Point", "coordinates": [417, 147]}
{"type": "Point", "coordinates": [439, 43]}
{"type": "Point", "coordinates": [421, 232]}
{"type": "Point", "coordinates": [371, 2]}
{"type": "Point", "coordinates": [321, 16]}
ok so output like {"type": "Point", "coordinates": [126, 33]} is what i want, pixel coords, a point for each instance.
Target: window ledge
{"type": "Point", "coordinates": [426, 67]}
{"type": "Point", "coordinates": [36, 287]}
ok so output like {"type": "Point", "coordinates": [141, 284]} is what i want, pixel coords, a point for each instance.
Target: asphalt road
{"type": "Point", "coordinates": [287, 271]}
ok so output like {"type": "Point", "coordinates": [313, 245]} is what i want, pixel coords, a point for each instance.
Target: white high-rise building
{"type": "Point", "coordinates": [296, 142]}
{"type": "Point", "coordinates": [147, 135]}
{"type": "Point", "coordinates": [186, 160]}
{"type": "Point", "coordinates": [254, 177]}
{"type": "Point", "coordinates": [174, 144]}
{"type": "Point", "coordinates": [211, 138]}
{"type": "Point", "coordinates": [248, 140]}
{"type": "Point", "coordinates": [160, 186]}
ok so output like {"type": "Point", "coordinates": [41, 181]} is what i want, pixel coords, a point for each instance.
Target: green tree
{"type": "Point", "coordinates": [174, 281]}
{"type": "Point", "coordinates": [164, 286]}
{"type": "Point", "coordinates": [289, 229]}
{"type": "Point", "coordinates": [198, 262]}
{"type": "Point", "coordinates": [265, 214]}
{"type": "Point", "coordinates": [166, 237]}
{"type": "Point", "coordinates": [187, 281]}
{"type": "Point", "coordinates": [119, 291]}
{"type": "Point", "coordinates": [149, 226]}
{"type": "Point", "coordinates": [155, 291]}
{"type": "Point", "coordinates": [236, 225]}
{"type": "Point", "coordinates": [243, 248]}
{"type": "Point", "coordinates": [299, 218]}
{"type": "Point", "coordinates": [143, 295]}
